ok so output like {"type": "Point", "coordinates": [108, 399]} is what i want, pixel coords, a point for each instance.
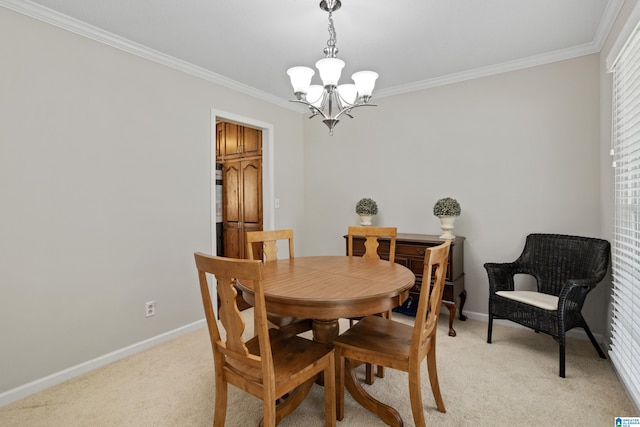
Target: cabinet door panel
{"type": "Point", "coordinates": [251, 142]}
{"type": "Point", "coordinates": [232, 240]}
{"type": "Point", "coordinates": [231, 196]}
{"type": "Point", "coordinates": [252, 191]}
{"type": "Point", "coordinates": [232, 140]}
{"type": "Point", "coordinates": [416, 265]}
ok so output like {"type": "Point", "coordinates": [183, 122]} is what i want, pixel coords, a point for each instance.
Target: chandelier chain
{"type": "Point", "coordinates": [331, 50]}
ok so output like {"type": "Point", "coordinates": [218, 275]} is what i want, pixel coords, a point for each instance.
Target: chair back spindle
{"type": "Point", "coordinates": [434, 273]}
{"type": "Point", "coordinates": [371, 235]}
{"type": "Point", "coordinates": [234, 345]}
{"type": "Point", "coordinates": [269, 241]}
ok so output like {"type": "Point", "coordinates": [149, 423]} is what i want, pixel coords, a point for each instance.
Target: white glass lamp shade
{"type": "Point", "coordinates": [300, 78]}
{"type": "Point", "coordinates": [365, 82]}
{"type": "Point", "coordinates": [315, 94]}
{"type": "Point", "coordinates": [330, 70]}
{"type": "Point", "coordinates": [348, 93]}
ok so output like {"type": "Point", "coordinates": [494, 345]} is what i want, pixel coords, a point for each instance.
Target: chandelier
{"type": "Point", "coordinates": [331, 100]}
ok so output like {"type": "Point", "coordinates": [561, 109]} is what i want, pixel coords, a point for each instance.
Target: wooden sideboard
{"type": "Point", "coordinates": [410, 251]}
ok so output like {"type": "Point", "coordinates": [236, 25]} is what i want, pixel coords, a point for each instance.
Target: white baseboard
{"type": "Point", "coordinates": [25, 390]}
{"type": "Point", "coordinates": [74, 371]}
{"type": "Point", "coordinates": [578, 333]}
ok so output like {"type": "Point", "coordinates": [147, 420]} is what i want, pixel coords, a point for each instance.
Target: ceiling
{"type": "Point", "coordinates": [412, 44]}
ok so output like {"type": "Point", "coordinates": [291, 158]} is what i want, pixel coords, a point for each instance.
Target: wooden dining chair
{"type": "Point", "coordinates": [396, 345]}
{"type": "Point", "coordinates": [270, 365]}
{"type": "Point", "coordinates": [267, 241]}
{"type": "Point", "coordinates": [371, 244]}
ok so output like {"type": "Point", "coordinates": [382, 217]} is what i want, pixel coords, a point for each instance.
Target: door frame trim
{"type": "Point", "coordinates": [268, 208]}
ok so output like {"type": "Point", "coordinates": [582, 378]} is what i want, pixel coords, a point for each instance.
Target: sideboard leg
{"type": "Point", "coordinates": [463, 299]}
{"type": "Point", "coordinates": [452, 314]}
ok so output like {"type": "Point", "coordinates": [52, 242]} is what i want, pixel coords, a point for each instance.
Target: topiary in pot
{"type": "Point", "coordinates": [366, 208]}
{"type": "Point", "coordinates": [447, 209]}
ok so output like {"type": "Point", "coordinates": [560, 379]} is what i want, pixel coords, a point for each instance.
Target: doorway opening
{"type": "Point", "coordinates": [243, 163]}
{"type": "Point", "coordinates": [257, 170]}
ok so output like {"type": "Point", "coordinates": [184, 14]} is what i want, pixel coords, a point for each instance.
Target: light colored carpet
{"type": "Point", "coordinates": [513, 381]}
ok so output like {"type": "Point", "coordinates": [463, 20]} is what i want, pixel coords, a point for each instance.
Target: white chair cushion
{"type": "Point", "coordinates": [537, 299]}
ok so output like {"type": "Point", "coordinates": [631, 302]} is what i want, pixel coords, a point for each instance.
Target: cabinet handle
{"type": "Point", "coordinates": [421, 251]}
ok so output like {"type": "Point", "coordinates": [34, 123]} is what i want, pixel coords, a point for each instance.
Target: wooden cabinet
{"type": "Point", "coordinates": [237, 141]}
{"type": "Point", "coordinates": [242, 193]}
{"type": "Point", "coordinates": [410, 251]}
{"type": "Point", "coordinates": [239, 149]}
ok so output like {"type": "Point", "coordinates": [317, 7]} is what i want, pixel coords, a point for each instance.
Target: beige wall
{"type": "Point", "coordinates": [105, 185]}
{"type": "Point", "coordinates": [520, 151]}
{"type": "Point", "coordinates": [105, 171]}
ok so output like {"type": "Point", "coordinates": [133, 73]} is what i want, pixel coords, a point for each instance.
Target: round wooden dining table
{"type": "Point", "coordinates": [327, 288]}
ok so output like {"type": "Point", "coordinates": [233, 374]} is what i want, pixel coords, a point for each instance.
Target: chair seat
{"type": "Point", "coordinates": [291, 355]}
{"type": "Point", "coordinates": [386, 338]}
{"type": "Point", "coordinates": [536, 299]}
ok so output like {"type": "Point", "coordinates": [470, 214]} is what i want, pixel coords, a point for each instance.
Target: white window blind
{"type": "Point", "coordinates": [625, 334]}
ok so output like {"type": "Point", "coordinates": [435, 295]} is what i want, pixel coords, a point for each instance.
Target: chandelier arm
{"type": "Point", "coordinates": [347, 110]}
{"type": "Point", "coordinates": [313, 108]}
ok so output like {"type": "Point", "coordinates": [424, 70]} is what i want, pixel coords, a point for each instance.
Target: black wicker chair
{"type": "Point", "coordinates": [566, 268]}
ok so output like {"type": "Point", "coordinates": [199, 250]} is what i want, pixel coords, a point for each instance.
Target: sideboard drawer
{"type": "Point", "coordinates": [415, 254]}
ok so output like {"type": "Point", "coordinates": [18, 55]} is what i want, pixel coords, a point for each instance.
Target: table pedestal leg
{"type": "Point", "coordinates": [292, 401]}
{"type": "Point", "coordinates": [388, 414]}
{"type": "Point", "coordinates": [325, 330]}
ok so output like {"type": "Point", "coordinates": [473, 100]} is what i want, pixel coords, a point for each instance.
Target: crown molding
{"type": "Point", "coordinates": [632, 22]}
{"type": "Point", "coordinates": [604, 28]}
{"type": "Point", "coordinates": [76, 26]}
{"type": "Point", "coordinates": [57, 19]}
{"type": "Point", "coordinates": [608, 20]}
{"type": "Point", "coordinates": [491, 70]}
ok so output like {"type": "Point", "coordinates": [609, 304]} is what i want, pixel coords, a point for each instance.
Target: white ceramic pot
{"type": "Point", "coordinates": [365, 219]}
{"type": "Point", "coordinates": [446, 224]}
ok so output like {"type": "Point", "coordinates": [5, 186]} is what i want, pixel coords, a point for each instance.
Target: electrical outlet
{"type": "Point", "coordinates": [150, 309]}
